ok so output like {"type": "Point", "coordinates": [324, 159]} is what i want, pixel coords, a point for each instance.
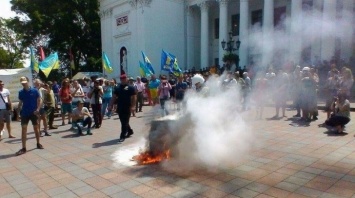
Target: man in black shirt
{"type": "Point", "coordinates": [125, 98]}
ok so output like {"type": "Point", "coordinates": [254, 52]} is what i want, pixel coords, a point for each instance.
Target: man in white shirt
{"type": "Point", "coordinates": [79, 119]}
{"type": "Point", "coordinates": [140, 86]}
{"type": "Point", "coordinates": [5, 114]}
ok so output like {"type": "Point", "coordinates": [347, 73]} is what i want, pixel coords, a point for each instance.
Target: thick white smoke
{"type": "Point", "coordinates": [310, 29]}
{"type": "Point", "coordinates": [212, 132]}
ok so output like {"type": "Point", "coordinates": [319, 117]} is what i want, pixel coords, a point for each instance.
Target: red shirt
{"type": "Point", "coordinates": [65, 95]}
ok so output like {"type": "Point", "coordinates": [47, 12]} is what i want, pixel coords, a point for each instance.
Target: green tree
{"type": "Point", "coordinates": [66, 24]}
{"type": "Point", "coordinates": [12, 51]}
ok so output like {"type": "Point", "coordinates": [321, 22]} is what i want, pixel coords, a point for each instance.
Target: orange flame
{"type": "Point", "coordinates": [147, 158]}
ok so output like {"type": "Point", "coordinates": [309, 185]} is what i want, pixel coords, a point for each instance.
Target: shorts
{"type": "Point", "coordinates": [5, 115]}
{"type": "Point", "coordinates": [153, 93]}
{"type": "Point", "coordinates": [26, 119]}
{"type": "Point", "coordinates": [42, 111]}
{"type": "Point", "coordinates": [66, 108]}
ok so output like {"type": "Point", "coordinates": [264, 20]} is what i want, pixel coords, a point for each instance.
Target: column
{"type": "Point", "coordinates": [193, 49]}
{"type": "Point", "coordinates": [347, 37]}
{"type": "Point", "coordinates": [328, 40]}
{"type": "Point", "coordinates": [316, 44]}
{"type": "Point", "coordinates": [296, 31]}
{"type": "Point", "coordinates": [243, 33]}
{"type": "Point", "coordinates": [204, 35]}
{"type": "Point", "coordinates": [223, 35]}
{"type": "Point", "coordinates": [268, 30]}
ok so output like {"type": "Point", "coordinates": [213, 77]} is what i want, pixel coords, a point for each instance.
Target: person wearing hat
{"type": "Point", "coordinates": [125, 98]}
{"type": "Point", "coordinates": [308, 94]}
{"type": "Point", "coordinates": [29, 106]}
{"type": "Point", "coordinates": [79, 119]}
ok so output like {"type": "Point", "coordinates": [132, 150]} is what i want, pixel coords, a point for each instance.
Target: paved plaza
{"type": "Point", "coordinates": [288, 159]}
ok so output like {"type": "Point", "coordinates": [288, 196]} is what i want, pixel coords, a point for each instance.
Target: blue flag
{"type": "Point", "coordinates": [169, 63]}
{"type": "Point", "coordinates": [147, 63]}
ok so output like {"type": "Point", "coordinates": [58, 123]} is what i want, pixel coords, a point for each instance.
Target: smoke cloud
{"type": "Point", "coordinates": [306, 30]}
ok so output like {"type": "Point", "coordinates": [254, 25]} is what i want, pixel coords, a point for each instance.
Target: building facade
{"type": "Point", "coordinates": [271, 32]}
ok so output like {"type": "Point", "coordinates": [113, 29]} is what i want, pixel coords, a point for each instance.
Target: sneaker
{"type": "Point", "coordinates": [88, 133]}
{"type": "Point", "coordinates": [121, 140]}
{"type": "Point", "coordinates": [21, 151]}
{"type": "Point", "coordinates": [39, 146]}
{"type": "Point", "coordinates": [53, 127]}
{"type": "Point", "coordinates": [47, 134]}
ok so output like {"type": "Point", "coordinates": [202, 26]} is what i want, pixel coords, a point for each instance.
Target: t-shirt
{"type": "Point", "coordinates": [65, 93]}
{"type": "Point", "coordinates": [29, 99]}
{"type": "Point", "coordinates": [108, 91]}
{"type": "Point", "coordinates": [86, 90]}
{"type": "Point", "coordinates": [5, 94]}
{"type": "Point", "coordinates": [55, 88]}
{"type": "Point", "coordinates": [180, 89]}
{"type": "Point", "coordinates": [77, 112]}
{"type": "Point", "coordinates": [124, 93]}
{"type": "Point", "coordinates": [95, 97]}
{"type": "Point", "coordinates": [76, 97]}
{"type": "Point", "coordinates": [154, 84]}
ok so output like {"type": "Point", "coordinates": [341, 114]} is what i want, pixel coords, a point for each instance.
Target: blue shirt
{"type": "Point", "coordinates": [29, 101]}
{"type": "Point", "coordinates": [154, 84]}
{"type": "Point", "coordinates": [55, 88]}
{"type": "Point", "coordinates": [108, 92]}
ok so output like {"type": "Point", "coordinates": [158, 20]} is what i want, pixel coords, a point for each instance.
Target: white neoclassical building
{"type": "Point", "coordinates": [270, 31]}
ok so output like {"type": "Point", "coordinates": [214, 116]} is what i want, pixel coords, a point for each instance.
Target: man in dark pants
{"type": "Point", "coordinates": [140, 88]}
{"type": "Point", "coordinates": [125, 98]}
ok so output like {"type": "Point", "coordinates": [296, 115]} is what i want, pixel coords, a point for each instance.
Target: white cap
{"type": "Point", "coordinates": [197, 78]}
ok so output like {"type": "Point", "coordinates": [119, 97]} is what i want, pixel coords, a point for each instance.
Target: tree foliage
{"type": "Point", "coordinates": [61, 25]}
{"type": "Point", "coordinates": [12, 51]}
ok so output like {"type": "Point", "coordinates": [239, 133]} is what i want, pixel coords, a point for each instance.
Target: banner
{"type": "Point", "coordinates": [11, 79]}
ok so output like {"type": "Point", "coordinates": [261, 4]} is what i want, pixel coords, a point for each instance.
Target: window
{"type": "Point", "coordinates": [257, 17]}
{"type": "Point", "coordinates": [279, 17]}
{"type": "Point", "coordinates": [235, 25]}
{"type": "Point", "coordinates": [216, 28]}
{"type": "Point", "coordinates": [307, 5]}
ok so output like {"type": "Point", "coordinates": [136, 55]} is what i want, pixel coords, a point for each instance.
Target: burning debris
{"type": "Point", "coordinates": [160, 145]}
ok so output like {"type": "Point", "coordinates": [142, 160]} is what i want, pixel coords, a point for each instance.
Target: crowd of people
{"type": "Point", "coordinates": [85, 102]}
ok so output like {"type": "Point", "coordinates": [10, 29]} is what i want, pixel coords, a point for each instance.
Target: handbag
{"type": "Point", "coordinates": [8, 106]}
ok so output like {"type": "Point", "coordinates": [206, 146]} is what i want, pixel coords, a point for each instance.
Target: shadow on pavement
{"type": "Point", "coordinates": [107, 143]}
{"type": "Point", "coordinates": [298, 122]}
{"type": "Point", "coordinates": [335, 133]}
{"type": "Point", "coordinates": [13, 155]}
{"type": "Point", "coordinates": [73, 135]}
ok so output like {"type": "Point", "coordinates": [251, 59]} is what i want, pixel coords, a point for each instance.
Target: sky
{"type": "Point", "coordinates": [6, 9]}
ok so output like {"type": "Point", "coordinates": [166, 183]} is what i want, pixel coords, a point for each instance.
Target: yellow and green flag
{"type": "Point", "coordinates": [50, 63]}
{"type": "Point", "coordinates": [106, 63]}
